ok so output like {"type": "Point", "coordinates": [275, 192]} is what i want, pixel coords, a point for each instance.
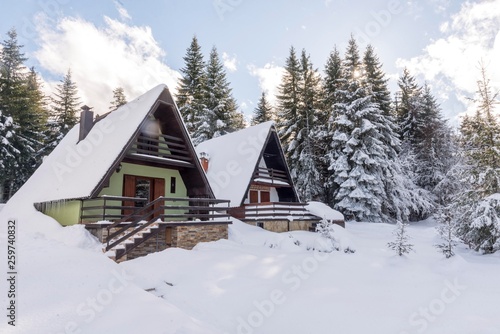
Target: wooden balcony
{"type": "Point", "coordinates": [271, 177]}
{"type": "Point", "coordinates": [274, 211]}
{"type": "Point", "coordinates": [163, 149]}
{"type": "Point", "coordinates": [123, 226]}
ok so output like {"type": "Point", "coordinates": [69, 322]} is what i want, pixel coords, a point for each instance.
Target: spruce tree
{"type": "Point", "coordinates": [356, 154]}
{"type": "Point", "coordinates": [263, 112]}
{"type": "Point", "coordinates": [367, 177]}
{"type": "Point", "coordinates": [191, 91]}
{"type": "Point", "coordinates": [288, 101]}
{"type": "Point", "coordinates": [66, 104]}
{"type": "Point", "coordinates": [446, 230]}
{"type": "Point", "coordinates": [408, 109]}
{"type": "Point", "coordinates": [22, 100]}
{"type": "Point", "coordinates": [332, 83]}
{"type": "Point", "coordinates": [477, 207]}
{"type": "Point", "coordinates": [119, 98]}
{"type": "Point", "coordinates": [299, 102]}
{"type": "Point", "coordinates": [377, 82]}
{"type": "Point", "coordinates": [8, 153]}
{"type": "Point", "coordinates": [219, 115]}
{"type": "Point", "coordinates": [401, 245]}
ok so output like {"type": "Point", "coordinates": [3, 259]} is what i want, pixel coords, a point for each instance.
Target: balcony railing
{"type": "Point", "coordinates": [167, 209]}
{"type": "Point", "coordinates": [271, 176]}
{"type": "Point", "coordinates": [277, 211]}
{"type": "Point", "coordinates": [109, 208]}
{"type": "Point", "coordinates": [161, 148]}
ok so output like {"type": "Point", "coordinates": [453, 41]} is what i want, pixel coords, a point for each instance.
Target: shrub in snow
{"type": "Point", "coordinates": [401, 245]}
{"type": "Point", "coordinates": [446, 231]}
{"type": "Point", "coordinates": [479, 225]}
{"type": "Point", "coordinates": [325, 229]}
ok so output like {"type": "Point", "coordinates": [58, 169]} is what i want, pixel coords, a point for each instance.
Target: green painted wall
{"type": "Point", "coordinates": [116, 181]}
{"type": "Point", "coordinates": [68, 213]}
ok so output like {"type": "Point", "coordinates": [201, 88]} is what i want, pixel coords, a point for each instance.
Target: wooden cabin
{"type": "Point", "coordinates": [133, 178]}
{"type": "Point", "coordinates": [248, 167]}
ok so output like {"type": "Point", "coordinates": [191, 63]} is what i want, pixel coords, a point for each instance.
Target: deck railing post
{"type": "Point", "coordinates": [104, 209]}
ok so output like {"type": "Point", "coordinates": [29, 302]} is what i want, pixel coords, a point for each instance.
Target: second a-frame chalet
{"type": "Point", "coordinates": [248, 167]}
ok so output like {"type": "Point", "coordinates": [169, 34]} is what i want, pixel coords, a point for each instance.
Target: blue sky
{"type": "Point", "coordinates": [137, 44]}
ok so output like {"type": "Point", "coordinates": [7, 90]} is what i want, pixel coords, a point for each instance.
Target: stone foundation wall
{"type": "Point", "coordinates": [183, 236]}
{"type": "Point", "coordinates": [152, 245]}
{"type": "Point", "coordinates": [284, 225]}
{"type": "Point", "coordinates": [188, 236]}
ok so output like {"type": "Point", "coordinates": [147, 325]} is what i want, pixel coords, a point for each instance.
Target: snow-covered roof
{"type": "Point", "coordinates": [75, 168]}
{"type": "Point", "coordinates": [233, 159]}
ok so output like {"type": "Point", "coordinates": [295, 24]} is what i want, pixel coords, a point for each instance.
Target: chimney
{"type": "Point", "coordinates": [86, 122]}
{"type": "Point", "coordinates": [204, 159]}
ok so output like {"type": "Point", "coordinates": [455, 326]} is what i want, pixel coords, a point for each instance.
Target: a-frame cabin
{"type": "Point", "coordinates": [133, 178]}
{"type": "Point", "coordinates": [248, 167]}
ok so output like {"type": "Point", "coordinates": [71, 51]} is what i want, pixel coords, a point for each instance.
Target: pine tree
{"type": "Point", "coordinates": [446, 231]}
{"type": "Point", "coordinates": [401, 243]}
{"type": "Point", "coordinates": [408, 109]}
{"type": "Point", "coordinates": [22, 100]}
{"type": "Point", "coordinates": [263, 112]}
{"type": "Point", "coordinates": [376, 80]}
{"type": "Point", "coordinates": [288, 101]}
{"type": "Point", "coordinates": [433, 149]}
{"type": "Point", "coordinates": [478, 205]}
{"type": "Point", "coordinates": [332, 83]}
{"type": "Point", "coordinates": [8, 152]}
{"type": "Point", "coordinates": [66, 104]}
{"type": "Point", "coordinates": [356, 154]}
{"type": "Point", "coordinates": [367, 177]}
{"type": "Point", "coordinates": [191, 91]}
{"type": "Point", "coordinates": [219, 115]}
{"type": "Point", "coordinates": [299, 103]}
{"type": "Point", "coordinates": [119, 98]}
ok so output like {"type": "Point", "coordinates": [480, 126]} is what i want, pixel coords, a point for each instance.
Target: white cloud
{"type": "Point", "coordinates": [102, 58]}
{"type": "Point", "coordinates": [269, 79]}
{"type": "Point", "coordinates": [229, 62]}
{"type": "Point", "coordinates": [124, 15]}
{"type": "Point", "coordinates": [451, 63]}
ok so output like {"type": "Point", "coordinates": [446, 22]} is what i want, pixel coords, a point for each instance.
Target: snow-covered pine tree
{"type": "Point", "coordinates": [220, 115]}
{"type": "Point", "coordinates": [376, 80]}
{"type": "Point", "coordinates": [357, 155]}
{"type": "Point", "coordinates": [299, 103]}
{"type": "Point", "coordinates": [331, 86]}
{"type": "Point", "coordinates": [409, 108]}
{"type": "Point", "coordinates": [402, 197]}
{"type": "Point", "coordinates": [191, 90]}
{"type": "Point", "coordinates": [446, 230]}
{"type": "Point", "coordinates": [65, 104]}
{"type": "Point", "coordinates": [8, 152]}
{"type": "Point", "coordinates": [434, 149]}
{"type": "Point", "coordinates": [263, 112]}
{"type": "Point", "coordinates": [325, 229]}
{"type": "Point", "coordinates": [288, 101]}
{"type": "Point", "coordinates": [478, 206]}
{"type": "Point", "coordinates": [119, 98]}
{"type": "Point", "coordinates": [401, 245]}
{"type": "Point", "coordinates": [22, 100]}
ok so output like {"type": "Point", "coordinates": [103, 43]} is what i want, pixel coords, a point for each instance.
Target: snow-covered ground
{"type": "Point", "coordinates": [255, 282]}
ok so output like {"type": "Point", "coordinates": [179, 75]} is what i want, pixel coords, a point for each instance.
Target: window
{"type": "Point", "coordinates": [260, 224]}
{"type": "Point", "coordinates": [173, 182]}
{"type": "Point", "coordinates": [143, 190]}
{"type": "Point", "coordinates": [254, 196]}
{"type": "Point", "coordinates": [265, 197]}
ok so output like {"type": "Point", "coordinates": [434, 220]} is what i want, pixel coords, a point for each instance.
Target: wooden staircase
{"type": "Point", "coordinates": [119, 251]}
